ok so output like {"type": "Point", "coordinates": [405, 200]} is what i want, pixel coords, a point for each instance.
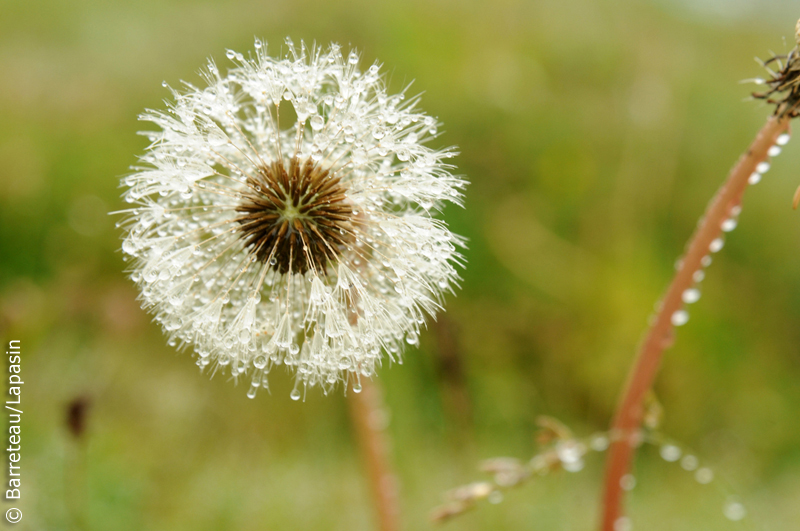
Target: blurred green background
{"type": "Point", "coordinates": [593, 134]}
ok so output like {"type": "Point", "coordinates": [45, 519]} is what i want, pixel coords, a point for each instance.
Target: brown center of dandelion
{"type": "Point", "coordinates": [295, 218]}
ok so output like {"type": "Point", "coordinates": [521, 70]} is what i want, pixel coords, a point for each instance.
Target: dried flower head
{"type": "Point", "coordinates": [283, 216]}
{"type": "Point", "coordinates": [784, 85]}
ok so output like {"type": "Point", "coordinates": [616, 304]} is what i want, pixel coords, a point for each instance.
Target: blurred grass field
{"type": "Point", "coordinates": [593, 134]}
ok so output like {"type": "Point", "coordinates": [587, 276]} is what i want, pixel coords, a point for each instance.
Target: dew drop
{"type": "Point", "coordinates": [230, 54]}
{"type": "Point", "coordinates": [699, 275]}
{"type": "Point", "coordinates": [689, 462]}
{"type": "Point", "coordinates": [623, 523]}
{"type": "Point", "coordinates": [704, 476]}
{"type": "Point", "coordinates": [762, 167]}
{"type": "Point", "coordinates": [705, 261]}
{"type": "Point", "coordinates": [295, 394]}
{"type": "Point", "coordinates": [317, 122]}
{"type": "Point", "coordinates": [716, 245]}
{"type": "Point", "coordinates": [569, 452]}
{"type": "Point", "coordinates": [357, 387]}
{"type": "Point", "coordinates": [627, 482]}
{"type": "Point", "coordinates": [734, 511]}
{"type": "Point", "coordinates": [680, 318]}
{"type": "Point", "coordinates": [728, 225]}
{"type": "Point", "coordinates": [574, 466]}
{"type": "Point", "coordinates": [754, 178]}
{"type": "Point", "coordinates": [783, 139]}
{"type": "Point", "coordinates": [691, 295]}
{"type": "Point", "coordinates": [251, 393]}
{"type": "Point", "coordinates": [599, 443]}
{"type": "Point", "coordinates": [217, 139]}
{"type": "Point", "coordinates": [774, 151]}
{"type": "Point", "coordinates": [359, 156]}
{"type": "Point", "coordinates": [670, 452]}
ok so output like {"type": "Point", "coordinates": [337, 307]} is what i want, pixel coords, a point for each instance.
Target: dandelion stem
{"type": "Point", "coordinates": [660, 335]}
{"type": "Point", "coordinates": [366, 410]}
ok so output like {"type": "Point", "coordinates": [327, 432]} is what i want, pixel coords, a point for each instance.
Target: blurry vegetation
{"type": "Point", "coordinates": [592, 133]}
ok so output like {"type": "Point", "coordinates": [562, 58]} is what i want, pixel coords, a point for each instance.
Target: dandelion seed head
{"type": "Point", "coordinates": [283, 214]}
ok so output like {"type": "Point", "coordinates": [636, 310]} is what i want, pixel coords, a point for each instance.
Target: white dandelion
{"type": "Point", "coordinates": [283, 216]}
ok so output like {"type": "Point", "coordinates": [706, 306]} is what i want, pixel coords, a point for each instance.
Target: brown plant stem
{"type": "Point", "coordinates": [628, 417]}
{"type": "Point", "coordinates": [368, 416]}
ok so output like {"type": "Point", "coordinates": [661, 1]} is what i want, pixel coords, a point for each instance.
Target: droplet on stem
{"type": "Point", "coordinates": [627, 482]}
{"type": "Point", "coordinates": [680, 318]}
{"type": "Point", "coordinates": [623, 523]}
{"type": "Point", "coordinates": [691, 295]}
{"type": "Point", "coordinates": [729, 224]}
{"type": "Point", "coordinates": [704, 476]}
{"type": "Point", "coordinates": [689, 462]}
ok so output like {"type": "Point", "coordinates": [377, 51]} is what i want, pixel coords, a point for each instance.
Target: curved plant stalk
{"type": "Point", "coordinates": [369, 419]}
{"type": "Point", "coordinates": [783, 90]}
{"type": "Point", "coordinates": [723, 207]}
{"type": "Point", "coordinates": [637, 405]}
